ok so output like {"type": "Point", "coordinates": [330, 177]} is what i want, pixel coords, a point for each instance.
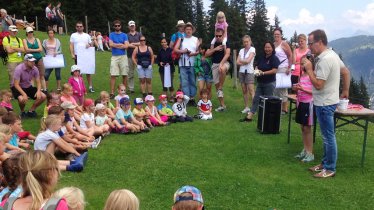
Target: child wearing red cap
{"type": "Point", "coordinates": [87, 121]}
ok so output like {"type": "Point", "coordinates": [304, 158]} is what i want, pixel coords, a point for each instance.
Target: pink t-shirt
{"type": "Point", "coordinates": [62, 205]}
{"type": "Point", "coordinates": [299, 55]}
{"type": "Point", "coordinates": [303, 96]}
{"type": "Point", "coordinates": [69, 99]}
{"type": "Point", "coordinates": [221, 25]}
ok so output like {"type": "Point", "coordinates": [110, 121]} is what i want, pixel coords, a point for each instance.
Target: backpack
{"type": "Point", "coordinates": [50, 205]}
{"type": "Point", "coordinates": [3, 53]}
{"type": "Point", "coordinates": [174, 55]}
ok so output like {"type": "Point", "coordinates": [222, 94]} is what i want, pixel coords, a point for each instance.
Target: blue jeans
{"type": "Point", "coordinates": [49, 71]}
{"type": "Point", "coordinates": [262, 89]}
{"type": "Point", "coordinates": [325, 116]}
{"type": "Point", "coordinates": [188, 80]}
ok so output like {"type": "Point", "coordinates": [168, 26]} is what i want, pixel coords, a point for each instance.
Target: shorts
{"type": "Point", "coordinates": [304, 113]}
{"type": "Point", "coordinates": [215, 71]}
{"type": "Point", "coordinates": [294, 79]}
{"type": "Point", "coordinates": [30, 92]}
{"type": "Point", "coordinates": [145, 72]}
{"type": "Point", "coordinates": [119, 65]}
{"type": "Point", "coordinates": [11, 68]}
{"type": "Point", "coordinates": [206, 78]}
{"type": "Point", "coordinates": [246, 78]}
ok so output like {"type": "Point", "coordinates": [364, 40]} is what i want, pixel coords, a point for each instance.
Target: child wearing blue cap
{"type": "Point", "coordinates": [188, 197]}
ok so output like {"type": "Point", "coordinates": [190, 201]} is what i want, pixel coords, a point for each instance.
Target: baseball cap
{"type": "Point", "coordinates": [88, 102]}
{"type": "Point", "coordinates": [67, 105]}
{"type": "Point", "coordinates": [138, 101]}
{"type": "Point", "coordinates": [131, 23]}
{"type": "Point", "coordinates": [149, 98]}
{"type": "Point", "coordinates": [99, 106]}
{"type": "Point", "coordinates": [124, 101]}
{"type": "Point", "coordinates": [195, 194]}
{"type": "Point", "coordinates": [13, 28]}
{"type": "Point", "coordinates": [29, 29]}
{"type": "Point", "coordinates": [74, 68]}
{"type": "Point", "coordinates": [29, 57]}
{"type": "Point", "coordinates": [162, 97]}
{"type": "Point", "coordinates": [179, 94]}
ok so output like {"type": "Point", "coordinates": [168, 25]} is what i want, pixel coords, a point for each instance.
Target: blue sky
{"type": "Point", "coordinates": [339, 18]}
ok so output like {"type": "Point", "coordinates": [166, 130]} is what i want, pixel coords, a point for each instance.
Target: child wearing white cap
{"type": "Point", "coordinates": [76, 81]}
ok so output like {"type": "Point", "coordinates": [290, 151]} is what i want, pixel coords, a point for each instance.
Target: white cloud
{"type": "Point", "coordinates": [272, 11]}
{"type": "Point", "coordinates": [304, 17]}
{"type": "Point", "coordinates": [361, 18]}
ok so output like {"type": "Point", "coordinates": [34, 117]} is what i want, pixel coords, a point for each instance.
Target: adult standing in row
{"type": "Point", "coordinates": [325, 79]}
{"type": "Point", "coordinates": [80, 39]}
{"type": "Point", "coordinates": [59, 18]}
{"type": "Point", "coordinates": [33, 45]}
{"type": "Point", "coordinates": [50, 16]}
{"type": "Point", "coordinates": [134, 41]}
{"type": "Point", "coordinates": [188, 49]}
{"type": "Point", "coordinates": [14, 47]}
{"type": "Point", "coordinates": [164, 59]}
{"type": "Point", "coordinates": [118, 41]}
{"type": "Point", "coordinates": [284, 54]}
{"type": "Point", "coordinates": [246, 74]}
{"type": "Point", "coordinates": [144, 58]}
{"type": "Point", "coordinates": [266, 69]}
{"type": "Point", "coordinates": [52, 46]}
{"type": "Point", "coordinates": [220, 55]}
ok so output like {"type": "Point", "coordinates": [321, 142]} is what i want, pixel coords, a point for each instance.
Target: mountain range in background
{"type": "Point", "coordinates": [358, 55]}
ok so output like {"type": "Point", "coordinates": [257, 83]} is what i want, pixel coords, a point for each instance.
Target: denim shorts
{"type": "Point", "coordinates": [206, 78]}
{"type": "Point", "coordinates": [145, 72]}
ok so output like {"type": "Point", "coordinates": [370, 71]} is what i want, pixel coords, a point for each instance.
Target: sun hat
{"type": "Point", "coordinates": [179, 94]}
{"type": "Point", "coordinates": [88, 102]}
{"type": "Point", "coordinates": [99, 106]}
{"type": "Point", "coordinates": [138, 101]}
{"type": "Point", "coordinates": [29, 57]}
{"type": "Point", "coordinates": [162, 97]}
{"type": "Point", "coordinates": [149, 98]}
{"type": "Point", "coordinates": [13, 28]}
{"type": "Point", "coordinates": [180, 23]}
{"type": "Point", "coordinates": [124, 101]}
{"type": "Point", "coordinates": [189, 24]}
{"type": "Point", "coordinates": [67, 105]}
{"type": "Point", "coordinates": [29, 29]}
{"type": "Point", "coordinates": [195, 194]}
{"type": "Point", "coordinates": [131, 23]}
{"type": "Point", "coordinates": [74, 68]}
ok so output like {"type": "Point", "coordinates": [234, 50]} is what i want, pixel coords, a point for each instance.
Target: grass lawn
{"type": "Point", "coordinates": [233, 165]}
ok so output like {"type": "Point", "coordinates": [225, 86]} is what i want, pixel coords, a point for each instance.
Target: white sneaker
{"type": "Point", "coordinates": [219, 93]}
{"type": "Point", "coordinates": [221, 109]}
{"type": "Point", "coordinates": [246, 110]}
{"type": "Point", "coordinates": [96, 143]}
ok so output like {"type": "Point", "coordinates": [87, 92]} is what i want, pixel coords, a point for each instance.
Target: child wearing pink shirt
{"type": "Point", "coordinates": [77, 83]}
{"type": "Point", "coordinates": [304, 115]}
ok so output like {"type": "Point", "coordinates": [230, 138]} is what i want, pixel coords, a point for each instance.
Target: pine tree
{"type": "Point", "coordinates": [354, 92]}
{"type": "Point", "coordinates": [200, 23]}
{"type": "Point", "coordinates": [363, 93]}
{"type": "Point", "coordinates": [259, 25]}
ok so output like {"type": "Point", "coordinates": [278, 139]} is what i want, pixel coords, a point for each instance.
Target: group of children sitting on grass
{"type": "Point", "coordinates": [72, 124]}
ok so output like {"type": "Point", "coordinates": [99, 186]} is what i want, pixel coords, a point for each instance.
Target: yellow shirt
{"type": "Point", "coordinates": [12, 42]}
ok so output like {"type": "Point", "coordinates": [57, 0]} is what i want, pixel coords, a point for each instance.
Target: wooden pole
{"type": "Point", "coordinates": [66, 26]}
{"type": "Point", "coordinates": [108, 27]}
{"type": "Point", "coordinates": [85, 17]}
{"type": "Point", "coordinates": [24, 18]}
{"type": "Point", "coordinates": [36, 23]}
{"type": "Point", "coordinates": [234, 68]}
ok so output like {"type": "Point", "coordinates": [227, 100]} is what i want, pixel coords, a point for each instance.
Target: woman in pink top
{"type": "Point", "coordinates": [304, 115]}
{"type": "Point", "coordinates": [76, 81]}
{"type": "Point", "coordinates": [298, 53]}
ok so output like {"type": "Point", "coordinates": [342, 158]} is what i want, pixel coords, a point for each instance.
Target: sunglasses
{"type": "Point", "coordinates": [218, 36]}
{"type": "Point", "coordinates": [79, 26]}
{"type": "Point", "coordinates": [142, 40]}
{"type": "Point", "coordinates": [30, 32]}
{"type": "Point", "coordinates": [117, 25]}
